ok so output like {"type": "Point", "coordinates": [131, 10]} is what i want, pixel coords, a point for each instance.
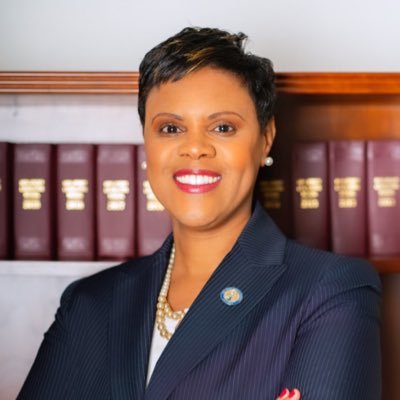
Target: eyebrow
{"type": "Point", "coordinates": [222, 113]}
{"type": "Point", "coordinates": [165, 114]}
{"type": "Point", "coordinates": [211, 116]}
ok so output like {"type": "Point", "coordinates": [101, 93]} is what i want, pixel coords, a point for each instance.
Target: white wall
{"type": "Point", "coordinates": [69, 119]}
{"type": "Point", "coordinates": [304, 35]}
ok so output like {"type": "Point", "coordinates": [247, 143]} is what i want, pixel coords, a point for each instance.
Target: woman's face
{"type": "Point", "coordinates": [204, 148]}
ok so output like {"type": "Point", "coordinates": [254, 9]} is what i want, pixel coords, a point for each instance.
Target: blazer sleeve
{"type": "Point", "coordinates": [47, 378]}
{"type": "Point", "coordinates": [336, 354]}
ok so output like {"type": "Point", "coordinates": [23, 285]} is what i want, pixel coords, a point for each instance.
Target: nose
{"type": "Point", "coordinates": [196, 146]}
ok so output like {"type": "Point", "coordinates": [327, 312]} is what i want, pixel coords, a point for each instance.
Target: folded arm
{"type": "Point", "coordinates": [337, 350]}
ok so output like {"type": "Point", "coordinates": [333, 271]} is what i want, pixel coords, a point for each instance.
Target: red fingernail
{"type": "Point", "coordinates": [292, 393]}
{"type": "Point", "coordinates": [284, 393]}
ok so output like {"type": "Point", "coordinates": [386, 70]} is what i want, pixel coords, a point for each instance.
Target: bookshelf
{"type": "Point", "coordinates": [311, 106]}
{"type": "Point", "coordinates": [340, 106]}
{"type": "Point", "coordinates": [50, 108]}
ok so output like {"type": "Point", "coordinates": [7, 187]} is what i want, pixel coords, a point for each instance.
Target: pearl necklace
{"type": "Point", "coordinates": [163, 308]}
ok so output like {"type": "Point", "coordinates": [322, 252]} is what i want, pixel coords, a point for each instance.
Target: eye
{"type": "Point", "coordinates": [224, 128]}
{"type": "Point", "coordinates": [170, 129]}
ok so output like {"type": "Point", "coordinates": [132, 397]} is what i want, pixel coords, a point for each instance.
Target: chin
{"type": "Point", "coordinates": [194, 218]}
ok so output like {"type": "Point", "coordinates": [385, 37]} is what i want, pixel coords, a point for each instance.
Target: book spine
{"type": "Point", "coordinates": [153, 221]}
{"type": "Point", "coordinates": [273, 189]}
{"type": "Point", "coordinates": [383, 171]}
{"type": "Point", "coordinates": [347, 187]}
{"type": "Point", "coordinates": [75, 202]}
{"type": "Point", "coordinates": [33, 215]}
{"type": "Point", "coordinates": [4, 200]}
{"type": "Point", "coordinates": [115, 201]}
{"type": "Point", "coordinates": [310, 194]}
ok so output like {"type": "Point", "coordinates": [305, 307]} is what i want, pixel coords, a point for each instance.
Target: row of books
{"type": "Point", "coordinates": [77, 202]}
{"type": "Point", "coordinates": [342, 196]}
{"type": "Point", "coordinates": [90, 202]}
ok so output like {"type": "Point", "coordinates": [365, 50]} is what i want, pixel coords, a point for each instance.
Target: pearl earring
{"type": "Point", "coordinates": [268, 161]}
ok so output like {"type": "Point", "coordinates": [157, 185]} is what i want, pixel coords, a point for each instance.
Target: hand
{"type": "Point", "coordinates": [292, 395]}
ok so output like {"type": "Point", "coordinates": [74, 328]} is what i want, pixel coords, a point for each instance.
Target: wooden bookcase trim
{"type": "Point", "coordinates": [128, 82]}
{"type": "Point", "coordinates": [338, 83]}
{"type": "Point", "coordinates": [69, 82]}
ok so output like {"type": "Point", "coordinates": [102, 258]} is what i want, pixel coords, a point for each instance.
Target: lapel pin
{"type": "Point", "coordinates": [231, 296]}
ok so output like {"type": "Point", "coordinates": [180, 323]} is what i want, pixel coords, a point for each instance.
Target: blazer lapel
{"type": "Point", "coordinates": [253, 266]}
{"type": "Point", "coordinates": [131, 323]}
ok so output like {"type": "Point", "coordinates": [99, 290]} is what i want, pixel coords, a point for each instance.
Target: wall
{"type": "Point", "coordinates": [306, 35]}
{"type": "Point", "coordinates": [69, 118]}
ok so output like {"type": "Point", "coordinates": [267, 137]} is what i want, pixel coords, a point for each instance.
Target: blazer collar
{"type": "Point", "coordinates": [132, 320]}
{"type": "Point", "coordinates": [253, 265]}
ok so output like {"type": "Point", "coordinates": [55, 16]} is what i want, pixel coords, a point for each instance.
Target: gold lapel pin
{"type": "Point", "coordinates": [231, 296]}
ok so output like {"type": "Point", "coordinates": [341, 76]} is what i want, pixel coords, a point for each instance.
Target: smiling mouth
{"type": "Point", "coordinates": [196, 182]}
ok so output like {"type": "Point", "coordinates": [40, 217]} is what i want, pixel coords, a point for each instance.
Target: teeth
{"type": "Point", "coordinates": [197, 179]}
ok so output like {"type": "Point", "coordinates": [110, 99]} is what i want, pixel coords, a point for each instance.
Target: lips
{"type": "Point", "coordinates": [196, 181]}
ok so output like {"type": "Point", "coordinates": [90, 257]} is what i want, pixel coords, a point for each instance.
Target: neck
{"type": "Point", "coordinates": [198, 253]}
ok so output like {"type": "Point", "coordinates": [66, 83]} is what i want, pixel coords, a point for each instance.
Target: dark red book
{"type": "Point", "coordinates": [383, 171]}
{"type": "Point", "coordinates": [115, 201]}
{"type": "Point", "coordinates": [274, 188]}
{"type": "Point", "coordinates": [5, 176]}
{"type": "Point", "coordinates": [347, 186]}
{"type": "Point", "coordinates": [310, 194]}
{"type": "Point", "coordinates": [153, 222]}
{"type": "Point", "coordinates": [75, 202]}
{"type": "Point", "coordinates": [33, 214]}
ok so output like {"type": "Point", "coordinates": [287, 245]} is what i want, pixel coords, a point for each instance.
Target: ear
{"type": "Point", "coordinates": [268, 136]}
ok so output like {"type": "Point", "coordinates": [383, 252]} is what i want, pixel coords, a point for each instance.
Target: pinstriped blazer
{"type": "Point", "coordinates": [308, 319]}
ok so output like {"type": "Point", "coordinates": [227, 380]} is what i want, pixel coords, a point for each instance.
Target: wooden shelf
{"type": "Point", "coordinates": [53, 268]}
{"type": "Point", "coordinates": [386, 265]}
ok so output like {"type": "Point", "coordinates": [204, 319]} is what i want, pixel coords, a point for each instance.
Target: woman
{"type": "Point", "coordinates": [255, 313]}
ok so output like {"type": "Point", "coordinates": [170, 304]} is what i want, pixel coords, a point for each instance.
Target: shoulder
{"type": "Point", "coordinates": [100, 286]}
{"type": "Point", "coordinates": [326, 268]}
{"type": "Point", "coordinates": [329, 284]}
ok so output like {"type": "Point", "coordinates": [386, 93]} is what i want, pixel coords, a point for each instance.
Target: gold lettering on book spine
{"type": "Point", "coordinates": [31, 190]}
{"type": "Point", "coordinates": [347, 189]}
{"type": "Point", "coordinates": [75, 191]}
{"type": "Point", "coordinates": [271, 192]}
{"type": "Point", "coordinates": [152, 202]}
{"type": "Point", "coordinates": [309, 190]}
{"type": "Point", "coordinates": [386, 188]}
{"type": "Point", "coordinates": [116, 192]}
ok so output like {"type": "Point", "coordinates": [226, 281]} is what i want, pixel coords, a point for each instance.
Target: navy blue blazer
{"type": "Point", "coordinates": [308, 319]}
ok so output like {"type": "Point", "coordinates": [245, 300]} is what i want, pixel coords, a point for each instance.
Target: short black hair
{"type": "Point", "coordinates": [195, 48]}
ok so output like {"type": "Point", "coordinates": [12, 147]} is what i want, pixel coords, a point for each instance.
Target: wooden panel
{"type": "Point", "coordinates": [324, 117]}
{"type": "Point", "coordinates": [391, 336]}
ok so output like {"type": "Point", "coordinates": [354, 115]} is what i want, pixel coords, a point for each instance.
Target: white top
{"type": "Point", "coordinates": [159, 343]}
